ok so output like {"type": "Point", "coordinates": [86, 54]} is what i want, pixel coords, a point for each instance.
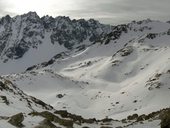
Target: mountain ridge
{"type": "Point", "coordinates": [123, 73]}
{"type": "Point", "coordinates": [23, 32]}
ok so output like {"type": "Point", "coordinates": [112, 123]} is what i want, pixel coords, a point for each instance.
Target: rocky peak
{"type": "Point", "coordinates": [31, 15]}
{"type": "Point", "coordinates": [48, 21]}
{"type": "Point", "coordinates": [6, 19]}
{"type": "Point", "coordinates": [63, 18]}
{"type": "Point", "coordinates": [29, 31]}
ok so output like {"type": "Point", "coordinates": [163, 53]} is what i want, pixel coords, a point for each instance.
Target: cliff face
{"type": "Point", "coordinates": [22, 33]}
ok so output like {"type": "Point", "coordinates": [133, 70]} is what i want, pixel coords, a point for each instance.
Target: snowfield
{"type": "Point", "coordinates": [112, 78]}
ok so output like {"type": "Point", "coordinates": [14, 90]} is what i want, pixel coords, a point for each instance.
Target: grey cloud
{"type": "Point", "coordinates": [111, 11]}
{"type": "Point", "coordinates": [4, 8]}
{"type": "Point", "coordinates": [119, 11]}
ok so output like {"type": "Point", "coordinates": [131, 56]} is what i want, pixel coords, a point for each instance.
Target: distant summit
{"type": "Point", "coordinates": [23, 32]}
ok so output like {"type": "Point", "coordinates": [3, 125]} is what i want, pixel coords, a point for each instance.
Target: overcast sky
{"type": "Point", "coordinates": [106, 11]}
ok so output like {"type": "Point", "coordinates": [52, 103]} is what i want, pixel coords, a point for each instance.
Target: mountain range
{"type": "Point", "coordinates": [59, 72]}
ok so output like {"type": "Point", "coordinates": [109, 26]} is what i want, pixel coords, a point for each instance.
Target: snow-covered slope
{"type": "Point", "coordinates": [29, 39]}
{"type": "Point", "coordinates": [14, 101]}
{"type": "Point", "coordinates": [20, 110]}
{"type": "Point", "coordinates": [121, 73]}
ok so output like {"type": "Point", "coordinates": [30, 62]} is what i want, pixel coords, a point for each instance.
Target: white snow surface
{"type": "Point", "coordinates": [103, 80]}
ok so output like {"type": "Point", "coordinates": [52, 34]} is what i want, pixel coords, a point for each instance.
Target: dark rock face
{"type": "Point", "coordinates": [165, 118]}
{"type": "Point", "coordinates": [118, 30]}
{"type": "Point", "coordinates": [4, 99]}
{"type": "Point", "coordinates": [17, 120]}
{"type": "Point", "coordinates": [19, 34]}
{"type": "Point", "coordinates": [126, 51]}
{"type": "Point", "coordinates": [46, 124]}
{"type": "Point", "coordinates": [114, 35]}
{"type": "Point", "coordinates": [151, 35]}
{"type": "Point", "coordinates": [17, 51]}
{"type": "Point", "coordinates": [74, 32]}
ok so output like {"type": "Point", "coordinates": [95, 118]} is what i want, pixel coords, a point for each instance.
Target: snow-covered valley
{"type": "Point", "coordinates": [124, 72]}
